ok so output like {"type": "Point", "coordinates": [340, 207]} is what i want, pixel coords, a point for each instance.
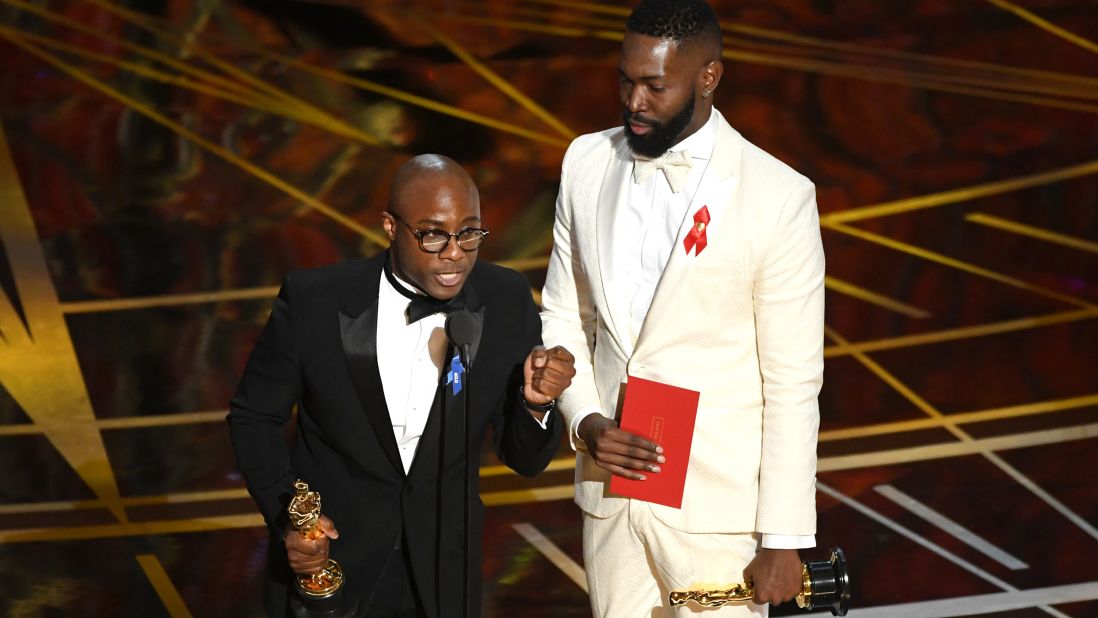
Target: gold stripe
{"type": "Point", "coordinates": [868, 296]}
{"type": "Point", "coordinates": [1046, 25]}
{"type": "Point", "coordinates": [494, 78]}
{"type": "Point", "coordinates": [965, 332]}
{"type": "Point", "coordinates": [1033, 232]}
{"type": "Point", "coordinates": [971, 445]}
{"type": "Point", "coordinates": [834, 46]}
{"type": "Point", "coordinates": [39, 367]}
{"type": "Point", "coordinates": [536, 494]}
{"type": "Point", "coordinates": [163, 585]}
{"type": "Point", "coordinates": [127, 422]}
{"type": "Point", "coordinates": [214, 148]}
{"type": "Point", "coordinates": [860, 72]}
{"type": "Point", "coordinates": [219, 296]}
{"type": "Point", "coordinates": [561, 463]}
{"type": "Point", "coordinates": [963, 194]}
{"type": "Point", "coordinates": [393, 93]}
{"type": "Point", "coordinates": [961, 418]}
{"type": "Point", "coordinates": [563, 492]}
{"type": "Point", "coordinates": [170, 300]}
{"type": "Point", "coordinates": [955, 263]}
{"type": "Point", "coordinates": [983, 446]}
{"type": "Point", "coordinates": [251, 100]}
{"type": "Point", "coordinates": [139, 528]}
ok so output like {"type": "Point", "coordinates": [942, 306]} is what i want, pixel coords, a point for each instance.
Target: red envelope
{"type": "Point", "coordinates": [664, 414]}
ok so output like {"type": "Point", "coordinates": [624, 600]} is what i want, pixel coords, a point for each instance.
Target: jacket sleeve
{"type": "Point", "coordinates": [568, 314]}
{"type": "Point", "coordinates": [520, 441]}
{"type": "Point", "coordinates": [789, 321]}
{"type": "Point", "coordinates": [262, 405]}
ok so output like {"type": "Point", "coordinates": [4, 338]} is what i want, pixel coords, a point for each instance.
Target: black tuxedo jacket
{"type": "Point", "coordinates": [318, 351]}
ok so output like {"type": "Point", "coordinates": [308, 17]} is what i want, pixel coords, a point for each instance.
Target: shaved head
{"type": "Point", "coordinates": [428, 170]}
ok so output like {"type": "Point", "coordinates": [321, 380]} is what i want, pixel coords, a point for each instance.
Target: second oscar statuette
{"type": "Point", "coordinates": [322, 594]}
{"type": "Point", "coordinates": [824, 583]}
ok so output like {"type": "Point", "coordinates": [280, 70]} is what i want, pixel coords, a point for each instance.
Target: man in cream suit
{"type": "Point", "coordinates": [685, 254]}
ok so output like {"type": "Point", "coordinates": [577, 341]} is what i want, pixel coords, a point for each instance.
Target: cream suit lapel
{"type": "Point", "coordinates": [715, 192]}
{"type": "Point", "coordinates": [618, 173]}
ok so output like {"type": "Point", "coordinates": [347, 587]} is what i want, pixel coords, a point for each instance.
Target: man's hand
{"type": "Point", "coordinates": [617, 450]}
{"type": "Point", "coordinates": [547, 373]}
{"type": "Point", "coordinates": [775, 575]}
{"type": "Point", "coordinates": [308, 555]}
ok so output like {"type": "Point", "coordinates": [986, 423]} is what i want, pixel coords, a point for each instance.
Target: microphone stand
{"type": "Point", "coordinates": [466, 595]}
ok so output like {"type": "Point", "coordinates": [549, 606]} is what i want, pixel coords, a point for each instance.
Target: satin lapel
{"type": "Point", "coordinates": [715, 192]}
{"type": "Point", "coordinates": [618, 171]}
{"type": "Point", "coordinates": [358, 330]}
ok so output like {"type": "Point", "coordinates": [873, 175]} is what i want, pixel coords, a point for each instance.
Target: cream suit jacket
{"type": "Point", "coordinates": [742, 323]}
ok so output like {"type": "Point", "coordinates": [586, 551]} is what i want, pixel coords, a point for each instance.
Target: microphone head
{"type": "Point", "coordinates": [461, 328]}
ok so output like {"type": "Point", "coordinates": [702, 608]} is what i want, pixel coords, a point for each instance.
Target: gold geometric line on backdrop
{"type": "Point", "coordinates": [949, 425]}
{"type": "Point", "coordinates": [568, 463]}
{"type": "Point", "coordinates": [981, 446]}
{"type": "Point", "coordinates": [163, 586]}
{"type": "Point", "coordinates": [962, 418]}
{"type": "Point", "coordinates": [334, 76]}
{"type": "Point", "coordinates": [1031, 231]}
{"type": "Point", "coordinates": [1046, 25]}
{"type": "Point", "coordinates": [38, 365]}
{"type": "Point", "coordinates": [962, 265]}
{"type": "Point", "coordinates": [269, 95]}
{"type": "Point", "coordinates": [961, 333]}
{"type": "Point", "coordinates": [961, 194]}
{"type": "Point", "coordinates": [849, 289]}
{"type": "Point", "coordinates": [941, 63]}
{"type": "Point", "coordinates": [207, 144]}
{"type": "Point", "coordinates": [949, 84]}
{"type": "Point", "coordinates": [498, 81]}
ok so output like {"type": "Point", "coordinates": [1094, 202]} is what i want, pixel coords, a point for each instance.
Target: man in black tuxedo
{"type": "Point", "coordinates": [359, 348]}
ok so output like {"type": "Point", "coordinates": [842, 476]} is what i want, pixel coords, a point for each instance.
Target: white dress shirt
{"type": "Point", "coordinates": [646, 226]}
{"type": "Point", "coordinates": [409, 375]}
{"type": "Point", "coordinates": [410, 360]}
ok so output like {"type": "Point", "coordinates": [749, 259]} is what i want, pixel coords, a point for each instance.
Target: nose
{"type": "Point", "coordinates": [451, 251]}
{"type": "Point", "coordinates": [634, 100]}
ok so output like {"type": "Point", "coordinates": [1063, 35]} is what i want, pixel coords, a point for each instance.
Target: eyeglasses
{"type": "Point", "coordinates": [436, 241]}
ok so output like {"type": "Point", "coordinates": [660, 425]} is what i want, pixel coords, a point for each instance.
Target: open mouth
{"type": "Point", "coordinates": [448, 280]}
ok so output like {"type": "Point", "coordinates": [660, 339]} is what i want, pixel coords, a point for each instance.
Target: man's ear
{"type": "Point", "coordinates": [389, 225]}
{"type": "Point", "coordinates": [711, 75]}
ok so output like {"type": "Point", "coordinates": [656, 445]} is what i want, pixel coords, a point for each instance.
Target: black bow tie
{"type": "Point", "coordinates": [422, 305]}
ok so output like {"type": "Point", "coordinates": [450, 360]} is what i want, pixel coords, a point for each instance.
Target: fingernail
{"type": "Point", "coordinates": [654, 468]}
{"type": "Point", "coordinates": [640, 477]}
{"type": "Point", "coordinates": [661, 459]}
{"type": "Point", "coordinates": [659, 449]}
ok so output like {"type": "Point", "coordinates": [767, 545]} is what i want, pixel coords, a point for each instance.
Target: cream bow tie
{"type": "Point", "coordinates": [675, 166]}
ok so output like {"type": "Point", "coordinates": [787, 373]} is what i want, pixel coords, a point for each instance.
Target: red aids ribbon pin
{"type": "Point", "coordinates": [695, 238]}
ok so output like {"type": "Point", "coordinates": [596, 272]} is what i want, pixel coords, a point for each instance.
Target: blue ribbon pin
{"type": "Point", "coordinates": [454, 375]}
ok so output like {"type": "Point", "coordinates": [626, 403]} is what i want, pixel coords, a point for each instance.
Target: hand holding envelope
{"type": "Point", "coordinates": [655, 435]}
{"type": "Point", "coordinates": [618, 451]}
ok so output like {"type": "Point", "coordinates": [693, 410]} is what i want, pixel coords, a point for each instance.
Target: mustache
{"type": "Point", "coordinates": [637, 118]}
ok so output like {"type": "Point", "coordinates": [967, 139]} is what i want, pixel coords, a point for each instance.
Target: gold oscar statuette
{"type": "Point", "coordinates": [823, 583]}
{"type": "Point", "coordinates": [320, 594]}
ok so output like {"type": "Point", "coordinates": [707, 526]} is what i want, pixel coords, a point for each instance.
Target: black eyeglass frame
{"type": "Point", "coordinates": [456, 236]}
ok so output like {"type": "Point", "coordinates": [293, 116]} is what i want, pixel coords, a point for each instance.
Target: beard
{"type": "Point", "coordinates": [663, 134]}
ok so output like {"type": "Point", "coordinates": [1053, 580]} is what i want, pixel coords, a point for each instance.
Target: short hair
{"type": "Point", "coordinates": [688, 22]}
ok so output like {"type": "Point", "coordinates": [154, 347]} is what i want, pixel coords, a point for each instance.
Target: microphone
{"type": "Point", "coordinates": [462, 330]}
